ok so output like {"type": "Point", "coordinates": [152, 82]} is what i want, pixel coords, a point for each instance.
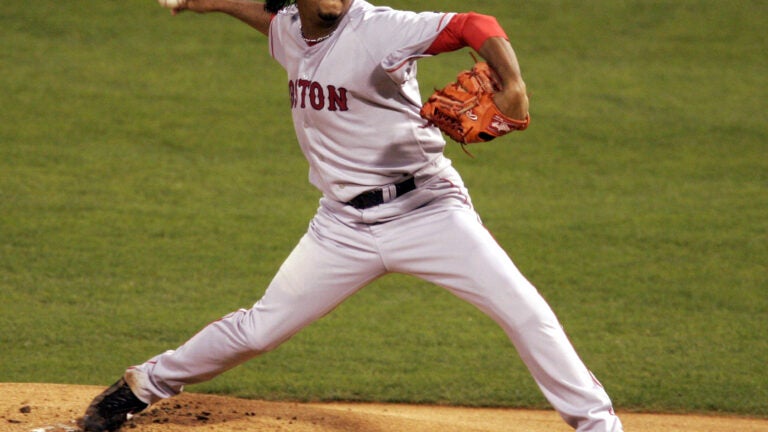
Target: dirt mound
{"type": "Point", "coordinates": [55, 408]}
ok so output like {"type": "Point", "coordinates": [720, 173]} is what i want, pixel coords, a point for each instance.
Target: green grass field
{"type": "Point", "coordinates": [150, 182]}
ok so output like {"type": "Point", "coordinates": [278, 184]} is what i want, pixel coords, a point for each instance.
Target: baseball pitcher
{"type": "Point", "coordinates": [392, 202]}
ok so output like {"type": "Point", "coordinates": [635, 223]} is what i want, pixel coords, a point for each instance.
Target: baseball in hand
{"type": "Point", "coordinates": [170, 4]}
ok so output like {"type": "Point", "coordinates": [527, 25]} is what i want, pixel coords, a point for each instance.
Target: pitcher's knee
{"type": "Point", "coordinates": [256, 334]}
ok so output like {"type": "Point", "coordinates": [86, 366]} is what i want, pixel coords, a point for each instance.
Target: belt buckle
{"type": "Point", "coordinates": [388, 193]}
{"type": "Point", "coordinates": [381, 195]}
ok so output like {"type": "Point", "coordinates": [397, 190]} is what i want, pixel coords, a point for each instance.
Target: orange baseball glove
{"type": "Point", "coordinates": [465, 111]}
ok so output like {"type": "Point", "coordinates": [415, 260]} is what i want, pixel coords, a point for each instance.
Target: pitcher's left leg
{"type": "Point", "coordinates": [466, 260]}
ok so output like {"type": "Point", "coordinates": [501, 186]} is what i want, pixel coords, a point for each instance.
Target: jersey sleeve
{"type": "Point", "coordinates": [277, 30]}
{"type": "Point", "coordinates": [466, 29]}
{"type": "Point", "coordinates": [406, 37]}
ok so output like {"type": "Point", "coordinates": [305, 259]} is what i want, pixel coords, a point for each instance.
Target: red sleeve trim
{"type": "Point", "coordinates": [269, 36]}
{"type": "Point", "coordinates": [466, 29]}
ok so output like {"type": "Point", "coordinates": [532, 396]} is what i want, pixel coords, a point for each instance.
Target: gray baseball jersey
{"type": "Point", "coordinates": [367, 80]}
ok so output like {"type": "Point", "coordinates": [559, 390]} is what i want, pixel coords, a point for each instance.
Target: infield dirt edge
{"type": "Point", "coordinates": [40, 407]}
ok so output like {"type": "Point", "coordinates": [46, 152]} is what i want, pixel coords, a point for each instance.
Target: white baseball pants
{"type": "Point", "coordinates": [432, 233]}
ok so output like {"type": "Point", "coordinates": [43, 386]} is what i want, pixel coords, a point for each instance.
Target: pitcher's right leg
{"type": "Point", "coordinates": [318, 275]}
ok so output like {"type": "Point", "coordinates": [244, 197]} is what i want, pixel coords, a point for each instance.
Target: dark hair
{"type": "Point", "coordinates": [275, 5]}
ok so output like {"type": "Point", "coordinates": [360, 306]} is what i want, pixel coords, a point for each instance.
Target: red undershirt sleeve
{"type": "Point", "coordinates": [466, 29]}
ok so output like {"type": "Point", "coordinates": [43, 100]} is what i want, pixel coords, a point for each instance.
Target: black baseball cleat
{"type": "Point", "coordinates": [111, 408]}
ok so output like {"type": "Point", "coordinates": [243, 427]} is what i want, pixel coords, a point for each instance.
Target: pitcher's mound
{"type": "Point", "coordinates": [56, 407]}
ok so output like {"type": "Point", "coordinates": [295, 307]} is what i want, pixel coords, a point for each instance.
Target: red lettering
{"type": "Point", "coordinates": [316, 96]}
{"type": "Point", "coordinates": [304, 84]}
{"type": "Point", "coordinates": [337, 99]}
{"type": "Point", "coordinates": [301, 89]}
{"type": "Point", "coordinates": [292, 92]}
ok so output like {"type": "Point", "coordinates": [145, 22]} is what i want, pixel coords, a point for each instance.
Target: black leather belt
{"type": "Point", "coordinates": [377, 196]}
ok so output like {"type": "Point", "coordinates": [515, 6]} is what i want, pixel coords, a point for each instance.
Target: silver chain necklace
{"type": "Point", "coordinates": [316, 40]}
